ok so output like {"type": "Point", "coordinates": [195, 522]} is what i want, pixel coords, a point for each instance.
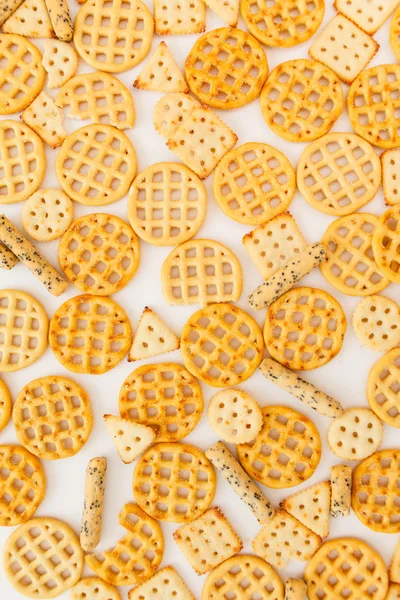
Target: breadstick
{"type": "Point", "coordinates": [284, 279]}
{"type": "Point", "coordinates": [60, 19]}
{"type": "Point", "coordinates": [27, 254]}
{"type": "Point", "coordinates": [300, 389]}
{"type": "Point", "coordinates": [8, 260]}
{"type": "Point", "coordinates": [341, 480]}
{"type": "Point", "coordinates": [7, 8]}
{"type": "Point", "coordinates": [295, 589]}
{"type": "Point", "coordinates": [242, 484]}
{"type": "Point", "coordinates": [93, 503]}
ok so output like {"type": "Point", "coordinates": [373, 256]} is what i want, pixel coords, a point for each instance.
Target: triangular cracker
{"type": "Point", "coordinates": [60, 61]}
{"type": "Point", "coordinates": [161, 73]}
{"type": "Point", "coordinates": [31, 19]}
{"type": "Point", "coordinates": [152, 337]}
{"type": "Point", "coordinates": [44, 117]}
{"type": "Point", "coordinates": [228, 10]}
{"type": "Point", "coordinates": [130, 439]}
{"type": "Point", "coordinates": [312, 507]}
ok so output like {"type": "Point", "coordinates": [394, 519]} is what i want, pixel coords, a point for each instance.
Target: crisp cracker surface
{"type": "Point", "coordinates": [376, 322]}
{"type": "Point", "coordinates": [384, 386]}
{"type": "Point", "coordinates": [356, 434]}
{"type": "Point", "coordinates": [47, 214]}
{"type": "Point", "coordinates": [369, 15]}
{"type": "Point", "coordinates": [173, 17]}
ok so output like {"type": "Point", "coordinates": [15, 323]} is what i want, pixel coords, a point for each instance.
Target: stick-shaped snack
{"type": "Point", "coordinates": [27, 253]}
{"type": "Point", "coordinates": [93, 503]}
{"type": "Point", "coordinates": [241, 483]}
{"type": "Point", "coordinates": [341, 481]}
{"type": "Point", "coordinates": [7, 8]}
{"type": "Point", "coordinates": [295, 589]}
{"type": "Point", "coordinates": [284, 279]}
{"type": "Point", "coordinates": [300, 389]}
{"type": "Point", "coordinates": [8, 260]}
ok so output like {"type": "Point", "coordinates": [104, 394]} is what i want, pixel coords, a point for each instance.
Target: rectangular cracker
{"type": "Point", "coordinates": [344, 48]}
{"type": "Point", "coordinates": [390, 161]}
{"type": "Point", "coordinates": [240, 481]}
{"type": "Point", "coordinates": [284, 279]}
{"type": "Point", "coordinates": [27, 254]}
{"type": "Point", "coordinates": [295, 589]}
{"type": "Point", "coordinates": [8, 260]}
{"type": "Point", "coordinates": [341, 481]}
{"type": "Point", "coordinates": [367, 14]}
{"type": "Point", "coordinates": [8, 8]}
{"type": "Point", "coordinates": [176, 17]}
{"type": "Point", "coordinates": [44, 117]}
{"type": "Point", "coordinates": [60, 19]}
{"type": "Point", "coordinates": [164, 585]}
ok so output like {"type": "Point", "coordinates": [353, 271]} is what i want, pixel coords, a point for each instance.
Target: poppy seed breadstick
{"type": "Point", "coordinates": [7, 8]}
{"type": "Point", "coordinates": [93, 503]}
{"type": "Point", "coordinates": [8, 260]}
{"type": "Point", "coordinates": [341, 483]}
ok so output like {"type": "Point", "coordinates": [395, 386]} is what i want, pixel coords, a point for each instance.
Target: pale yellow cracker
{"type": "Point", "coordinates": [47, 214]}
{"type": "Point", "coordinates": [376, 322]}
{"type": "Point", "coordinates": [272, 245]}
{"type": "Point", "coordinates": [173, 17]}
{"type": "Point", "coordinates": [60, 61]}
{"type": "Point", "coordinates": [99, 254]}
{"type": "Point", "coordinates": [356, 434]}
{"type": "Point", "coordinates": [22, 485]}
{"type": "Point", "coordinates": [285, 452]}
{"type": "Point", "coordinates": [57, 558]}
{"type": "Point", "coordinates": [304, 329]}
{"type": "Point", "coordinates": [166, 583]}
{"type": "Point", "coordinates": [343, 47]}
{"type": "Point", "coordinates": [94, 588]}
{"type": "Point", "coordinates": [113, 35]}
{"type": "Point", "coordinates": [254, 183]}
{"type": "Point", "coordinates": [346, 567]}
{"type": "Point", "coordinates": [93, 503]}
{"type": "Point", "coordinates": [390, 161]}
{"type": "Point", "coordinates": [385, 243]}
{"type": "Point", "coordinates": [373, 103]}
{"type": "Point", "coordinates": [226, 68]}
{"type": "Point", "coordinates": [167, 204]}
{"type": "Point", "coordinates": [235, 416]}
{"type": "Point", "coordinates": [374, 495]}
{"type": "Point", "coordinates": [228, 10]}
{"type": "Point", "coordinates": [394, 569]}
{"type": "Point", "coordinates": [338, 173]}
{"type": "Point", "coordinates": [311, 507]}
{"type": "Point", "coordinates": [100, 97]}
{"type": "Point", "coordinates": [161, 73]}
{"type": "Point", "coordinates": [8, 8]}
{"type": "Point", "coordinates": [5, 405]}
{"type": "Point", "coordinates": [340, 490]}
{"type": "Point", "coordinates": [96, 165]}
{"type": "Point", "coordinates": [208, 541]}
{"type": "Point", "coordinates": [395, 32]}
{"type": "Point", "coordinates": [284, 539]}
{"type": "Point", "coordinates": [22, 74]}
{"type": "Point", "coordinates": [283, 23]}
{"type": "Point", "coordinates": [90, 334]}
{"type": "Point", "coordinates": [171, 111]}
{"type": "Point", "coordinates": [244, 576]}
{"type": "Point", "coordinates": [23, 330]}
{"type": "Point", "coordinates": [174, 482]}
{"type": "Point", "coordinates": [53, 417]}
{"type": "Point", "coordinates": [31, 19]}
{"type": "Point", "coordinates": [60, 19]}
{"type": "Point", "coordinates": [201, 272]}
{"type": "Point", "coordinates": [301, 100]}
{"type": "Point", "coordinates": [393, 592]}
{"type": "Point", "coordinates": [23, 170]}
{"type": "Point", "coordinates": [152, 337]}
{"type": "Point", "coordinates": [367, 14]}
{"type": "Point", "coordinates": [384, 386]}
{"type": "Point", "coordinates": [130, 439]}
{"type": "Point", "coordinates": [221, 345]}
{"type": "Point", "coordinates": [350, 264]}
{"type": "Point", "coordinates": [44, 117]}
{"type": "Point", "coordinates": [295, 589]}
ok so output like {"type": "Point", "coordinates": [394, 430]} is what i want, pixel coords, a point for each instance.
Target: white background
{"type": "Point", "coordinates": [344, 378]}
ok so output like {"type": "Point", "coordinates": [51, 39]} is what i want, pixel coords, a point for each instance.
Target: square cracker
{"type": "Point", "coordinates": [208, 541]}
{"type": "Point", "coordinates": [166, 583]}
{"type": "Point", "coordinates": [368, 14]}
{"type": "Point", "coordinates": [344, 48]}
{"type": "Point", "coordinates": [44, 117]}
{"type": "Point", "coordinates": [390, 160]}
{"type": "Point", "coordinates": [272, 245]}
{"type": "Point", "coordinates": [174, 17]}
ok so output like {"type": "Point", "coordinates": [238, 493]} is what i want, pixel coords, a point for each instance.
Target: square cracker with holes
{"type": "Point", "coordinates": [208, 541]}
{"type": "Point", "coordinates": [173, 17]}
{"type": "Point", "coordinates": [390, 161]}
{"type": "Point", "coordinates": [343, 47]}
{"type": "Point", "coordinates": [368, 14]}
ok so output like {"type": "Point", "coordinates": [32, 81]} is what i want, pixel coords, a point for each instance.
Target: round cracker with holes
{"type": "Point", "coordinates": [376, 322]}
{"type": "Point", "coordinates": [47, 214]}
{"type": "Point", "coordinates": [355, 434]}
{"type": "Point", "coordinates": [235, 416]}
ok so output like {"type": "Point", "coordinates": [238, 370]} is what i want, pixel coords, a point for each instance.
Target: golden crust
{"type": "Point", "coordinates": [385, 245]}
{"type": "Point", "coordinates": [383, 381]}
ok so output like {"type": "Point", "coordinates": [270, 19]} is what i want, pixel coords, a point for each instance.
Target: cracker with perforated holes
{"type": "Point", "coordinates": [369, 15]}
{"type": "Point", "coordinates": [394, 569]}
{"type": "Point", "coordinates": [254, 183]}
{"type": "Point", "coordinates": [208, 541]}
{"type": "Point", "coordinates": [7, 9]}
{"type": "Point", "coordinates": [22, 485]}
{"type": "Point", "coordinates": [60, 61]}
{"type": "Point", "coordinates": [343, 47]}
{"type": "Point", "coordinates": [340, 490]}
{"type": "Point", "coordinates": [167, 204]}
{"type": "Point", "coordinates": [152, 337]}
{"type": "Point", "coordinates": [173, 17]}
{"type": "Point", "coordinates": [356, 434]}
{"type": "Point", "coordinates": [311, 507]}
{"type": "Point", "coordinates": [301, 100]}
{"type": "Point", "coordinates": [161, 73]}
{"type": "Point", "coordinates": [171, 110]}
{"type": "Point", "coordinates": [384, 386]}
{"type": "Point", "coordinates": [5, 405]}
{"type": "Point", "coordinates": [285, 452]}
{"type": "Point", "coordinates": [95, 589]}
{"type": "Point", "coordinates": [201, 272]}
{"type": "Point", "coordinates": [376, 322]}
{"type": "Point", "coordinates": [385, 243]}
{"type": "Point", "coordinates": [130, 439]}
{"type": "Point", "coordinates": [295, 589]}
{"type": "Point", "coordinates": [338, 173]}
{"type": "Point", "coordinates": [166, 583]}
{"type": "Point", "coordinates": [284, 539]}
{"type": "Point", "coordinates": [31, 19]}
{"type": "Point", "coordinates": [47, 214]}
{"type": "Point", "coordinates": [390, 162]}
{"type": "Point", "coordinates": [235, 416]}
{"type": "Point", "coordinates": [44, 117]}
{"type": "Point", "coordinates": [228, 10]}
{"type": "Point", "coordinates": [395, 32]}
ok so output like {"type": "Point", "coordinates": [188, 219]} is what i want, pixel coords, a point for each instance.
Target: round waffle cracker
{"type": "Point", "coordinates": [221, 345]}
{"type": "Point", "coordinates": [284, 23]}
{"type": "Point", "coordinates": [301, 100]}
{"type": "Point", "coordinates": [244, 576]}
{"type": "Point", "coordinates": [22, 74]}
{"type": "Point", "coordinates": [384, 386]}
{"type": "Point", "coordinates": [47, 214]}
{"type": "Point", "coordinates": [164, 396]}
{"type": "Point", "coordinates": [113, 35]}
{"type": "Point", "coordinates": [96, 165]}
{"type": "Point", "coordinates": [254, 183]}
{"type": "Point", "coordinates": [287, 450]}
{"type": "Point", "coordinates": [346, 567]}
{"type": "Point", "coordinates": [5, 405]}
{"type": "Point", "coordinates": [226, 68]}
{"type": "Point", "coordinates": [174, 482]}
{"type": "Point", "coordinates": [235, 416]}
{"type": "Point", "coordinates": [375, 492]}
{"type": "Point", "coordinates": [56, 558]}
{"type": "Point", "coordinates": [52, 417]}
{"type": "Point", "coordinates": [385, 243]}
{"type": "Point", "coordinates": [99, 254]}
{"type": "Point", "coordinates": [373, 104]}
{"type": "Point", "coordinates": [355, 434]}
{"type": "Point", "coordinates": [90, 334]}
{"type": "Point", "coordinates": [22, 485]}
{"type": "Point", "coordinates": [376, 322]}
{"type": "Point", "coordinates": [94, 588]}
{"type": "Point", "coordinates": [339, 173]}
{"type": "Point", "coordinates": [23, 330]}
{"type": "Point", "coordinates": [350, 264]}
{"type": "Point", "coordinates": [304, 328]}
{"type": "Point", "coordinates": [167, 204]}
